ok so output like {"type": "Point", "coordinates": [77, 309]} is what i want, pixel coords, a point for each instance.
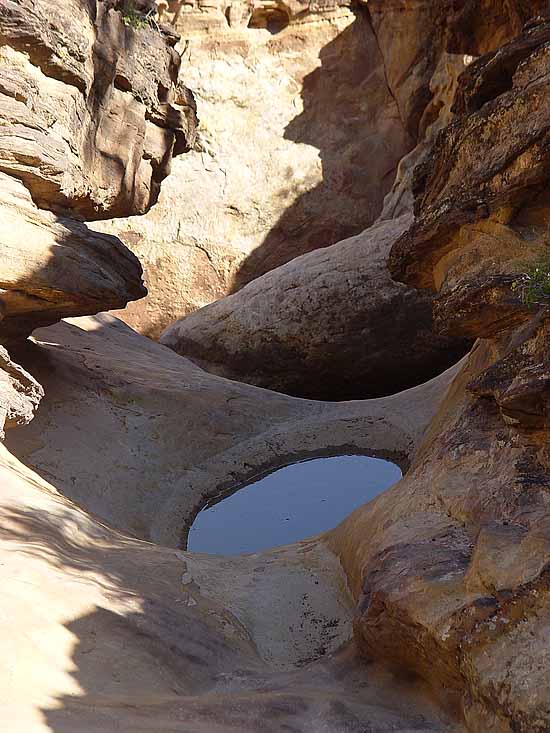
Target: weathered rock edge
{"type": "Point", "coordinates": [92, 109]}
{"type": "Point", "coordinates": [112, 392]}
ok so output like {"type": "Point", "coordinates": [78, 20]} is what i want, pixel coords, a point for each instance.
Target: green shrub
{"type": "Point", "coordinates": [132, 18]}
{"type": "Point", "coordinates": [533, 285]}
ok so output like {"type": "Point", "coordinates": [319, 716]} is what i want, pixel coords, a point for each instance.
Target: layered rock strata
{"type": "Point", "coordinates": [91, 114]}
{"type": "Point", "coordinates": [54, 266]}
{"type": "Point", "coordinates": [92, 111]}
{"type": "Point", "coordinates": [451, 567]}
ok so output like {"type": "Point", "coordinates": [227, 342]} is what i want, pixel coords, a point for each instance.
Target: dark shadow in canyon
{"type": "Point", "coordinates": [350, 116]}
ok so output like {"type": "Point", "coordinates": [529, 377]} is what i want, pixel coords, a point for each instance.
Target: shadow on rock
{"type": "Point", "coordinates": [351, 117]}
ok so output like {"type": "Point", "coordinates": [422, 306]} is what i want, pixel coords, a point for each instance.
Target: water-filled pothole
{"type": "Point", "coordinates": [290, 504]}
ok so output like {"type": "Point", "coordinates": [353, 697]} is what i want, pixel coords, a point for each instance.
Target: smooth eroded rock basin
{"type": "Point", "coordinates": [289, 504]}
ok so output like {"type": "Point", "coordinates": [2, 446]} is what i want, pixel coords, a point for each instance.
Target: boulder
{"type": "Point", "coordinates": [330, 324]}
{"type": "Point", "coordinates": [53, 266]}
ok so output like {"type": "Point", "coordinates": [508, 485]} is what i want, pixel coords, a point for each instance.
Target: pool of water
{"type": "Point", "coordinates": [290, 504]}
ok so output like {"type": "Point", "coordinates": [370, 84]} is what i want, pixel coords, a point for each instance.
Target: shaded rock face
{"type": "Point", "coordinates": [91, 109]}
{"type": "Point", "coordinates": [19, 394]}
{"type": "Point", "coordinates": [450, 567]}
{"type": "Point", "coordinates": [413, 35]}
{"type": "Point", "coordinates": [328, 325]}
{"type": "Point", "coordinates": [477, 219]}
{"type": "Point", "coordinates": [299, 140]}
{"type": "Point", "coordinates": [53, 266]}
{"type": "Point", "coordinates": [267, 181]}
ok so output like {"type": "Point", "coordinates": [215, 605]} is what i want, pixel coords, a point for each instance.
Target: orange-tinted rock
{"type": "Point", "coordinates": [91, 109]}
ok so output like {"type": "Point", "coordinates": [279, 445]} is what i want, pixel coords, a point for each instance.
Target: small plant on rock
{"type": "Point", "coordinates": [533, 285]}
{"type": "Point", "coordinates": [133, 18]}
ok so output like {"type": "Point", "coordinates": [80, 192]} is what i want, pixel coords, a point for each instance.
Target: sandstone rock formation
{"type": "Point", "coordinates": [412, 36]}
{"type": "Point", "coordinates": [478, 217]}
{"type": "Point", "coordinates": [92, 113]}
{"type": "Point", "coordinates": [54, 266]}
{"type": "Point", "coordinates": [427, 609]}
{"type": "Point", "coordinates": [92, 110]}
{"type": "Point", "coordinates": [328, 325]}
{"type": "Point", "coordinates": [101, 634]}
{"type": "Point", "coordinates": [451, 566]}
{"type": "Point", "coordinates": [283, 331]}
{"type": "Point", "coordinates": [298, 143]}
{"type": "Point", "coordinates": [269, 182]}
{"type": "Point", "coordinates": [172, 436]}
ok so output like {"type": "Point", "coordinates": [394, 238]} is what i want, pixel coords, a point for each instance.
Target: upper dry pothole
{"type": "Point", "coordinates": [270, 17]}
{"type": "Point", "coordinates": [290, 504]}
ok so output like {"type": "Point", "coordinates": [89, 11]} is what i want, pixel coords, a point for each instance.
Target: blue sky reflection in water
{"type": "Point", "coordinates": [290, 504]}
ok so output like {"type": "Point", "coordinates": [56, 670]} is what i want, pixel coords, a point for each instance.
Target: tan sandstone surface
{"type": "Point", "coordinates": [300, 328]}
{"type": "Point", "coordinates": [101, 633]}
{"type": "Point", "coordinates": [298, 142]}
{"type": "Point", "coordinates": [427, 609]}
{"type": "Point", "coordinates": [171, 436]}
{"type": "Point", "coordinates": [462, 557]}
{"type": "Point", "coordinates": [91, 110]}
{"type": "Point", "coordinates": [305, 111]}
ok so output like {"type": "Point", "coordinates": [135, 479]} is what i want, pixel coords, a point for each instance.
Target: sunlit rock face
{"type": "Point", "coordinates": [324, 325]}
{"type": "Point", "coordinates": [302, 328]}
{"type": "Point", "coordinates": [91, 114]}
{"type": "Point", "coordinates": [298, 143]}
{"type": "Point", "coordinates": [116, 633]}
{"type": "Point", "coordinates": [91, 109]}
{"type": "Point", "coordinates": [53, 266]}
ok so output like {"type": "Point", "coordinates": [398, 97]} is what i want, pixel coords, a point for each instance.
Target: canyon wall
{"type": "Point", "coordinates": [455, 584]}
{"type": "Point", "coordinates": [91, 116]}
{"type": "Point", "coordinates": [428, 608]}
{"type": "Point", "coordinates": [298, 142]}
